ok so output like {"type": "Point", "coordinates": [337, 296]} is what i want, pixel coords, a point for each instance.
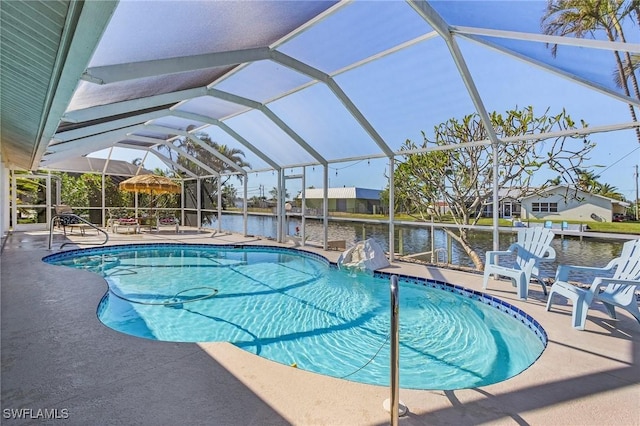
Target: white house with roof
{"type": "Point", "coordinates": [562, 202]}
{"type": "Point", "coordinates": [346, 199]}
{"type": "Point", "coordinates": [508, 204]}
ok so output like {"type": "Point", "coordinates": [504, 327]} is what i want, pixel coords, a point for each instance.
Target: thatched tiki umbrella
{"type": "Point", "coordinates": [150, 184]}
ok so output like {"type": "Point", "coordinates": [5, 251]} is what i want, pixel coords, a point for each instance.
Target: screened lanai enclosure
{"type": "Point", "coordinates": [298, 87]}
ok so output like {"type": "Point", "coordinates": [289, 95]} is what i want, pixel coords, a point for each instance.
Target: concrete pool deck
{"type": "Point", "coordinates": [57, 356]}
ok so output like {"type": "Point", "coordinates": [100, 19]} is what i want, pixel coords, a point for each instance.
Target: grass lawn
{"type": "Point", "coordinates": [616, 227]}
{"type": "Point", "coordinates": [612, 227]}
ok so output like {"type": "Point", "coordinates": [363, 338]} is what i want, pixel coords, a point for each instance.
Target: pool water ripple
{"type": "Point", "coordinates": [292, 307]}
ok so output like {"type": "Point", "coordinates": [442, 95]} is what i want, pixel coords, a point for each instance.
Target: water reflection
{"type": "Point", "coordinates": [589, 252]}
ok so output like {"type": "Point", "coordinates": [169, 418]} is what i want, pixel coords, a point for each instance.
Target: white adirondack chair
{"type": "Point", "coordinates": [619, 290]}
{"type": "Point", "coordinates": [533, 246]}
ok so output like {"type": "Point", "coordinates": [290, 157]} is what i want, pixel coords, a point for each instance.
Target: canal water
{"type": "Point", "coordinates": [569, 250]}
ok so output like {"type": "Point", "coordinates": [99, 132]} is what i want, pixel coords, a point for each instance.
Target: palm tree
{"type": "Point", "coordinates": [610, 191]}
{"type": "Point", "coordinates": [234, 155]}
{"type": "Point", "coordinates": [555, 181]}
{"type": "Point", "coordinates": [274, 194]}
{"type": "Point", "coordinates": [634, 8]}
{"type": "Point", "coordinates": [582, 18]}
{"type": "Point", "coordinates": [229, 195]}
{"type": "Point", "coordinates": [587, 181]}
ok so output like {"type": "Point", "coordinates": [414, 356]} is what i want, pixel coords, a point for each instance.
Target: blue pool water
{"type": "Point", "coordinates": [294, 307]}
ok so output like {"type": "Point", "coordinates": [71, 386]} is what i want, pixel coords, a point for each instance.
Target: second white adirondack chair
{"type": "Point", "coordinates": [533, 246]}
{"type": "Point", "coordinates": [619, 290]}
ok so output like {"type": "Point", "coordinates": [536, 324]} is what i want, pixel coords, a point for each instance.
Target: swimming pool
{"type": "Point", "coordinates": [295, 308]}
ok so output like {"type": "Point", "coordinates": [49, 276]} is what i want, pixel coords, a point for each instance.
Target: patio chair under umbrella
{"type": "Point", "coordinates": [150, 184]}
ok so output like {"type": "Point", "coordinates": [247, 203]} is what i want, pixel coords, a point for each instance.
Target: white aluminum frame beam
{"type": "Point", "coordinates": [438, 24]}
{"type": "Point", "coordinates": [316, 74]}
{"type": "Point", "coordinates": [140, 138]}
{"type": "Point", "coordinates": [124, 107]}
{"type": "Point", "coordinates": [219, 202]}
{"type": "Point", "coordinates": [230, 97]}
{"type": "Point", "coordinates": [168, 161]}
{"type": "Point", "coordinates": [531, 61]}
{"type": "Point", "coordinates": [392, 210]}
{"type": "Point", "coordinates": [110, 125]}
{"type": "Point", "coordinates": [134, 70]}
{"type": "Point", "coordinates": [141, 165]}
{"type": "Point", "coordinates": [548, 39]}
{"type": "Point", "coordinates": [86, 145]}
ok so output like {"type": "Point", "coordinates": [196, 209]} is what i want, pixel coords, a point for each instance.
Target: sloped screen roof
{"type": "Point", "coordinates": [305, 82]}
